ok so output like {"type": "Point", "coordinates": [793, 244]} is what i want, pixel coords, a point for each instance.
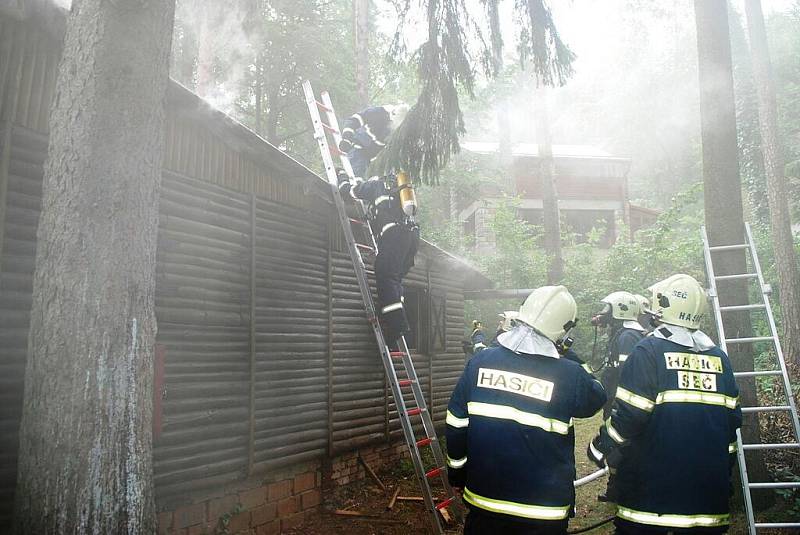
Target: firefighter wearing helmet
{"type": "Point", "coordinates": [522, 395]}
{"type": "Point", "coordinates": [672, 432]}
{"type": "Point", "coordinates": [619, 314]}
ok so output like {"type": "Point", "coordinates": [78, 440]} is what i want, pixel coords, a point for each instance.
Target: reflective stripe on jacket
{"type": "Point", "coordinates": [510, 435]}
{"type": "Point", "coordinates": [674, 419]}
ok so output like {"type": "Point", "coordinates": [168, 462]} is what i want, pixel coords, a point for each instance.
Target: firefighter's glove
{"type": "Point", "coordinates": [345, 145]}
{"type": "Point", "coordinates": [594, 454]}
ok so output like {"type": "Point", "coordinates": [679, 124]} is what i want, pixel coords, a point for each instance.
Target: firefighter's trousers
{"type": "Point", "coordinates": [397, 247]}
{"type": "Point", "coordinates": [480, 523]}
{"type": "Point", "coordinates": [610, 380]}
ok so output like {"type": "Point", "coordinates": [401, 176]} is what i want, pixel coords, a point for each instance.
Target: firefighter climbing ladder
{"type": "Point", "coordinates": [424, 475]}
{"type": "Point", "coordinates": [764, 306]}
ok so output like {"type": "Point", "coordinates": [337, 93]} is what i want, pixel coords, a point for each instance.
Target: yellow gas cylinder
{"type": "Point", "coordinates": [408, 199]}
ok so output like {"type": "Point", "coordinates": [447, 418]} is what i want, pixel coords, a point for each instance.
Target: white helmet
{"type": "Point", "coordinates": [679, 300]}
{"type": "Point", "coordinates": [550, 310]}
{"type": "Point", "coordinates": [507, 319]}
{"type": "Point", "coordinates": [397, 113]}
{"type": "Point", "coordinates": [644, 303]}
{"type": "Point", "coordinates": [624, 305]}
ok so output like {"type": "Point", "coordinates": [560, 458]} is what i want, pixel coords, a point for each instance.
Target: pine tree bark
{"type": "Point", "coordinates": [85, 461]}
{"type": "Point", "coordinates": [777, 197]}
{"type": "Point", "coordinates": [547, 179]}
{"type": "Point", "coordinates": [723, 201]}
{"type": "Point", "coordinates": [361, 35]}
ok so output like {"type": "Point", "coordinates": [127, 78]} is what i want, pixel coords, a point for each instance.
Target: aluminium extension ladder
{"type": "Point", "coordinates": [424, 475]}
{"type": "Point", "coordinates": [764, 306]}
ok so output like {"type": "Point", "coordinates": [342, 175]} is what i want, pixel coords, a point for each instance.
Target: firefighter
{"type": "Point", "coordinates": [364, 134]}
{"type": "Point", "coordinates": [477, 338]}
{"type": "Point", "coordinates": [672, 433]}
{"type": "Point", "coordinates": [397, 237]}
{"type": "Point", "coordinates": [644, 318]}
{"type": "Point", "coordinates": [510, 439]}
{"type": "Point", "coordinates": [619, 314]}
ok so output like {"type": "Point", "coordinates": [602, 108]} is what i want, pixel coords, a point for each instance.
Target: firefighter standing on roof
{"type": "Point", "coordinates": [391, 207]}
{"type": "Point", "coordinates": [672, 432]}
{"type": "Point", "coordinates": [510, 439]}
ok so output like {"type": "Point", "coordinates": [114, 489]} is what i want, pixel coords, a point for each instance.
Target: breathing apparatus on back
{"type": "Point", "coordinates": [408, 199]}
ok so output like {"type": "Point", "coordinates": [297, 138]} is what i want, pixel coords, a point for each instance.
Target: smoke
{"type": "Point", "coordinates": [634, 92]}
{"type": "Point", "coordinates": [214, 49]}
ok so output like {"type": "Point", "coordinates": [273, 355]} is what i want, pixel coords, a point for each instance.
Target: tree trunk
{"type": "Point", "coordinates": [259, 112]}
{"type": "Point", "coordinates": [361, 35]}
{"type": "Point", "coordinates": [85, 462]}
{"type": "Point", "coordinates": [780, 227]}
{"type": "Point", "coordinates": [550, 214]}
{"type": "Point", "coordinates": [723, 198]}
{"type": "Point", "coordinates": [205, 51]}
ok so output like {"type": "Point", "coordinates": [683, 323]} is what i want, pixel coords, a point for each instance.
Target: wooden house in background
{"type": "Point", "coordinates": [268, 378]}
{"type": "Point", "coordinates": [592, 188]}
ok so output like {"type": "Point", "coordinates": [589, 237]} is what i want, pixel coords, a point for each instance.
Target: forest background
{"type": "Point", "coordinates": [634, 93]}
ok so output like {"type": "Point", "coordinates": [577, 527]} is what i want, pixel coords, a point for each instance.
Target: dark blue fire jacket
{"type": "Point", "coordinates": [672, 437]}
{"type": "Point", "coordinates": [510, 436]}
{"type": "Point", "coordinates": [367, 130]}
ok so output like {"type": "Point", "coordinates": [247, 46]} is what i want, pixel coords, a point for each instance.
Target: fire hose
{"type": "Point", "coordinates": [583, 481]}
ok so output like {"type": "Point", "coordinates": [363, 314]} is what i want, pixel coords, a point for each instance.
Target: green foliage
{"type": "Point", "coordinates": [670, 246]}
{"type": "Point", "coordinates": [447, 63]}
{"type": "Point", "coordinates": [225, 520]}
{"type": "Point", "coordinates": [540, 44]}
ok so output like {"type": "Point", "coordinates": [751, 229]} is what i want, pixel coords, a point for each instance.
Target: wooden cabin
{"type": "Point", "coordinates": [268, 379]}
{"type": "Point", "coordinates": [591, 184]}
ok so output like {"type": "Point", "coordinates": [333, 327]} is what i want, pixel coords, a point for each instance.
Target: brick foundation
{"type": "Point", "coordinates": [271, 507]}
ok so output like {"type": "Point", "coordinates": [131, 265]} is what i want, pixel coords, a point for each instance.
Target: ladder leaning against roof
{"type": "Point", "coordinates": [424, 475]}
{"type": "Point", "coordinates": [778, 371]}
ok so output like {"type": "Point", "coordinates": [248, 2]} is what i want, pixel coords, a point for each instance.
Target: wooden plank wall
{"type": "Point", "coordinates": [259, 371]}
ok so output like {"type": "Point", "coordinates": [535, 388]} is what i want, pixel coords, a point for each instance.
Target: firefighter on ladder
{"type": "Point", "coordinates": [365, 133]}
{"type": "Point", "coordinates": [510, 440]}
{"type": "Point", "coordinates": [391, 205]}
{"type": "Point", "coordinates": [672, 432]}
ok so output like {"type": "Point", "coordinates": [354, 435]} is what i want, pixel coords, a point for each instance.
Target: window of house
{"type": "Point", "coordinates": [438, 322]}
{"type": "Point", "coordinates": [427, 317]}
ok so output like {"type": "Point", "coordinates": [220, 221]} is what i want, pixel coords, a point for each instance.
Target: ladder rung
{"type": "Point", "coordinates": [743, 307]}
{"type": "Point", "coordinates": [770, 525]}
{"type": "Point", "coordinates": [323, 107]}
{"type": "Point", "coordinates": [396, 354]}
{"type": "Point", "coordinates": [771, 408]}
{"type": "Point", "coordinates": [329, 128]}
{"type": "Point", "coordinates": [435, 472]}
{"type": "Point", "coordinates": [424, 442]}
{"type": "Point", "coordinates": [779, 446]}
{"type": "Point", "coordinates": [758, 373]}
{"type": "Point", "coordinates": [736, 277]}
{"type": "Point", "coordinates": [445, 503]}
{"type": "Point", "coordinates": [413, 412]}
{"type": "Point", "coordinates": [405, 382]}
{"type": "Point", "coordinates": [364, 246]}
{"type": "Point", "coordinates": [356, 221]}
{"type": "Point", "coordinates": [729, 247]}
{"type": "Point", "coordinates": [749, 339]}
{"type": "Point", "coordinates": [777, 485]}
{"type": "Point", "coordinates": [336, 152]}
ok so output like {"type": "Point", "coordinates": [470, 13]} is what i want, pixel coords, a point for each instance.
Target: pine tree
{"type": "Point", "coordinates": [723, 200]}
{"type": "Point", "coordinates": [780, 227]}
{"type": "Point", "coordinates": [426, 140]}
{"type": "Point", "coordinates": [85, 463]}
